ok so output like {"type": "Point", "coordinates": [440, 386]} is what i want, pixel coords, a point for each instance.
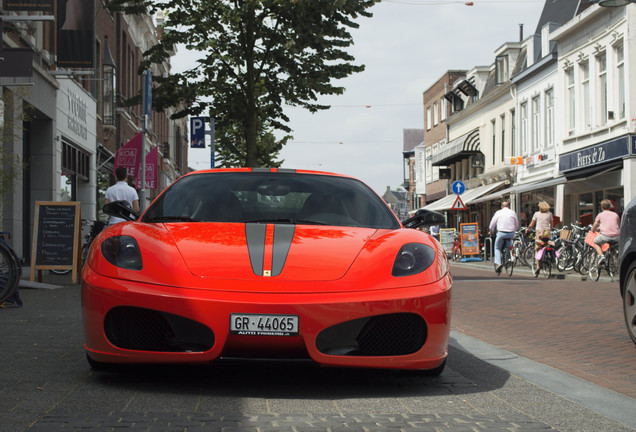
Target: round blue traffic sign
{"type": "Point", "coordinates": [458, 187]}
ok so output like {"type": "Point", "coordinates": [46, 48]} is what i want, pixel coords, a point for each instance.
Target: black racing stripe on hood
{"type": "Point", "coordinates": [255, 237]}
{"type": "Point", "coordinates": [283, 236]}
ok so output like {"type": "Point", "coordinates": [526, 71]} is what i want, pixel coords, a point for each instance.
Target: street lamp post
{"type": "Point", "coordinates": [109, 75]}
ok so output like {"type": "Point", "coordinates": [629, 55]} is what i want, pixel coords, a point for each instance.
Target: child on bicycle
{"type": "Point", "coordinates": [607, 223]}
{"type": "Point", "coordinates": [543, 220]}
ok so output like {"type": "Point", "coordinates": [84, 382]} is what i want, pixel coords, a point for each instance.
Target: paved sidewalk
{"type": "Point", "coordinates": [527, 271]}
{"type": "Point", "coordinates": [572, 325]}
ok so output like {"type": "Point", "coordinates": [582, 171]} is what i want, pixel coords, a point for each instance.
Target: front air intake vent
{"type": "Point", "coordinates": [150, 330]}
{"type": "Point", "coordinates": [381, 335]}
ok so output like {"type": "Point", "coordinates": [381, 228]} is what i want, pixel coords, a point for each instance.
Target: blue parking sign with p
{"type": "Point", "coordinates": [197, 132]}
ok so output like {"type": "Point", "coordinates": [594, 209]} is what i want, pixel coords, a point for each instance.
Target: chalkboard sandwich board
{"type": "Point", "coordinates": [56, 237]}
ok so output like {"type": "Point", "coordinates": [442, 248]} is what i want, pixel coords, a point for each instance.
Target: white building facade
{"type": "Point", "coordinates": [596, 145]}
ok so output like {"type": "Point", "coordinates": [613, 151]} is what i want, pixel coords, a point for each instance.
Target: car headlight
{"type": "Point", "coordinates": [122, 251]}
{"type": "Point", "coordinates": [413, 258]}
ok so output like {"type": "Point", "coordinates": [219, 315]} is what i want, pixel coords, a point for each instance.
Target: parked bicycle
{"type": "Point", "coordinates": [571, 253]}
{"type": "Point", "coordinates": [10, 268]}
{"type": "Point", "coordinates": [456, 252]}
{"type": "Point", "coordinates": [92, 228]}
{"type": "Point", "coordinates": [529, 251]}
{"type": "Point", "coordinates": [607, 262]}
{"type": "Point", "coordinates": [520, 244]}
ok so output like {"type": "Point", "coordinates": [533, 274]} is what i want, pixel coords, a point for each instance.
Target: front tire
{"type": "Point", "coordinates": [565, 260]}
{"type": "Point", "coordinates": [594, 271]}
{"type": "Point", "coordinates": [628, 289]}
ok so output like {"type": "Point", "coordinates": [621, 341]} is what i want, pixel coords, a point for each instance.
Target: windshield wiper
{"type": "Point", "coordinates": [172, 219]}
{"type": "Point", "coordinates": [287, 220]}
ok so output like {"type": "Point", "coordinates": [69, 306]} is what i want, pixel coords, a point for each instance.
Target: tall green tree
{"type": "Point", "coordinates": [255, 57]}
{"type": "Point", "coordinates": [12, 119]}
{"type": "Point", "coordinates": [231, 148]}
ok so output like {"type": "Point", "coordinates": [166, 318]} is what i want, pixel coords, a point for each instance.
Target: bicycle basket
{"type": "Point", "coordinates": [565, 234]}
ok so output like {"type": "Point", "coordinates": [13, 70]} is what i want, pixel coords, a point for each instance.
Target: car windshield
{"type": "Point", "coordinates": [266, 197]}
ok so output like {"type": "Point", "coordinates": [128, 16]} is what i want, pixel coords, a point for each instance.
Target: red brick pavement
{"type": "Point", "coordinates": [572, 325]}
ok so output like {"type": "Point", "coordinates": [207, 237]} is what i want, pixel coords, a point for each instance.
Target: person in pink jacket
{"type": "Point", "coordinates": [608, 224]}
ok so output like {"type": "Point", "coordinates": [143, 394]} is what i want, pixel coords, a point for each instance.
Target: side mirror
{"type": "Point", "coordinates": [424, 218]}
{"type": "Point", "coordinates": [121, 209]}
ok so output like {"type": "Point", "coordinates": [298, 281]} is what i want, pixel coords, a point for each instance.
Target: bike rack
{"type": "Point", "coordinates": [488, 240]}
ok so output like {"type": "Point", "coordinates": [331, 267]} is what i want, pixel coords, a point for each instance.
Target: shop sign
{"type": "Point", "coordinates": [597, 154]}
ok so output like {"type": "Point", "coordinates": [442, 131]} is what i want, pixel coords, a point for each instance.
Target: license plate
{"type": "Point", "coordinates": [263, 325]}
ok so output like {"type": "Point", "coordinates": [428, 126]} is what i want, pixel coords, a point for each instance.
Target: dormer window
{"type": "Point", "coordinates": [457, 103]}
{"type": "Point", "coordinates": [501, 69]}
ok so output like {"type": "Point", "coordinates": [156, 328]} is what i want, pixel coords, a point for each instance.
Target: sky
{"type": "Point", "coordinates": [406, 47]}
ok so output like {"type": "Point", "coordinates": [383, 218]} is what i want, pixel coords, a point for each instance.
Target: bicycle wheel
{"type": "Point", "coordinates": [546, 265]}
{"type": "Point", "coordinates": [533, 266]}
{"type": "Point", "coordinates": [8, 273]}
{"type": "Point", "coordinates": [577, 258]}
{"type": "Point", "coordinates": [516, 252]}
{"type": "Point", "coordinates": [612, 263]}
{"type": "Point", "coordinates": [546, 269]}
{"type": "Point", "coordinates": [589, 258]}
{"type": "Point", "coordinates": [564, 262]}
{"type": "Point", "coordinates": [520, 254]}
{"type": "Point", "coordinates": [528, 256]}
{"type": "Point", "coordinates": [510, 261]}
{"type": "Point", "coordinates": [595, 270]}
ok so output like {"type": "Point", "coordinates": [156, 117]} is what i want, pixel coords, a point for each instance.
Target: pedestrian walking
{"type": "Point", "coordinates": [121, 191]}
{"type": "Point", "coordinates": [505, 222]}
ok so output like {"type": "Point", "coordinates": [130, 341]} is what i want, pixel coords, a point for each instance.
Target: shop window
{"type": "Point", "coordinates": [584, 69]}
{"type": "Point", "coordinates": [601, 62]}
{"type": "Point", "coordinates": [530, 203]}
{"type": "Point", "coordinates": [620, 79]}
{"type": "Point", "coordinates": [75, 161]}
{"type": "Point", "coordinates": [549, 118]}
{"type": "Point", "coordinates": [570, 100]}
{"type": "Point", "coordinates": [501, 69]}
{"type": "Point", "coordinates": [536, 125]}
{"type": "Point", "coordinates": [586, 209]}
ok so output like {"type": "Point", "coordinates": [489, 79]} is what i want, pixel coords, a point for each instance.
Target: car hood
{"type": "Point", "coordinates": [283, 251]}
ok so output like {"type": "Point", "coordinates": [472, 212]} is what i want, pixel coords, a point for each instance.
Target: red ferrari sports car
{"type": "Point", "coordinates": [267, 264]}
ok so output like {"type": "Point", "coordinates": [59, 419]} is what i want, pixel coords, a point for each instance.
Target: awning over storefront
{"type": "Point", "coordinates": [473, 194]}
{"type": "Point", "coordinates": [521, 188]}
{"type": "Point", "coordinates": [459, 148]}
{"type": "Point", "coordinates": [442, 203]}
{"type": "Point", "coordinates": [467, 198]}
